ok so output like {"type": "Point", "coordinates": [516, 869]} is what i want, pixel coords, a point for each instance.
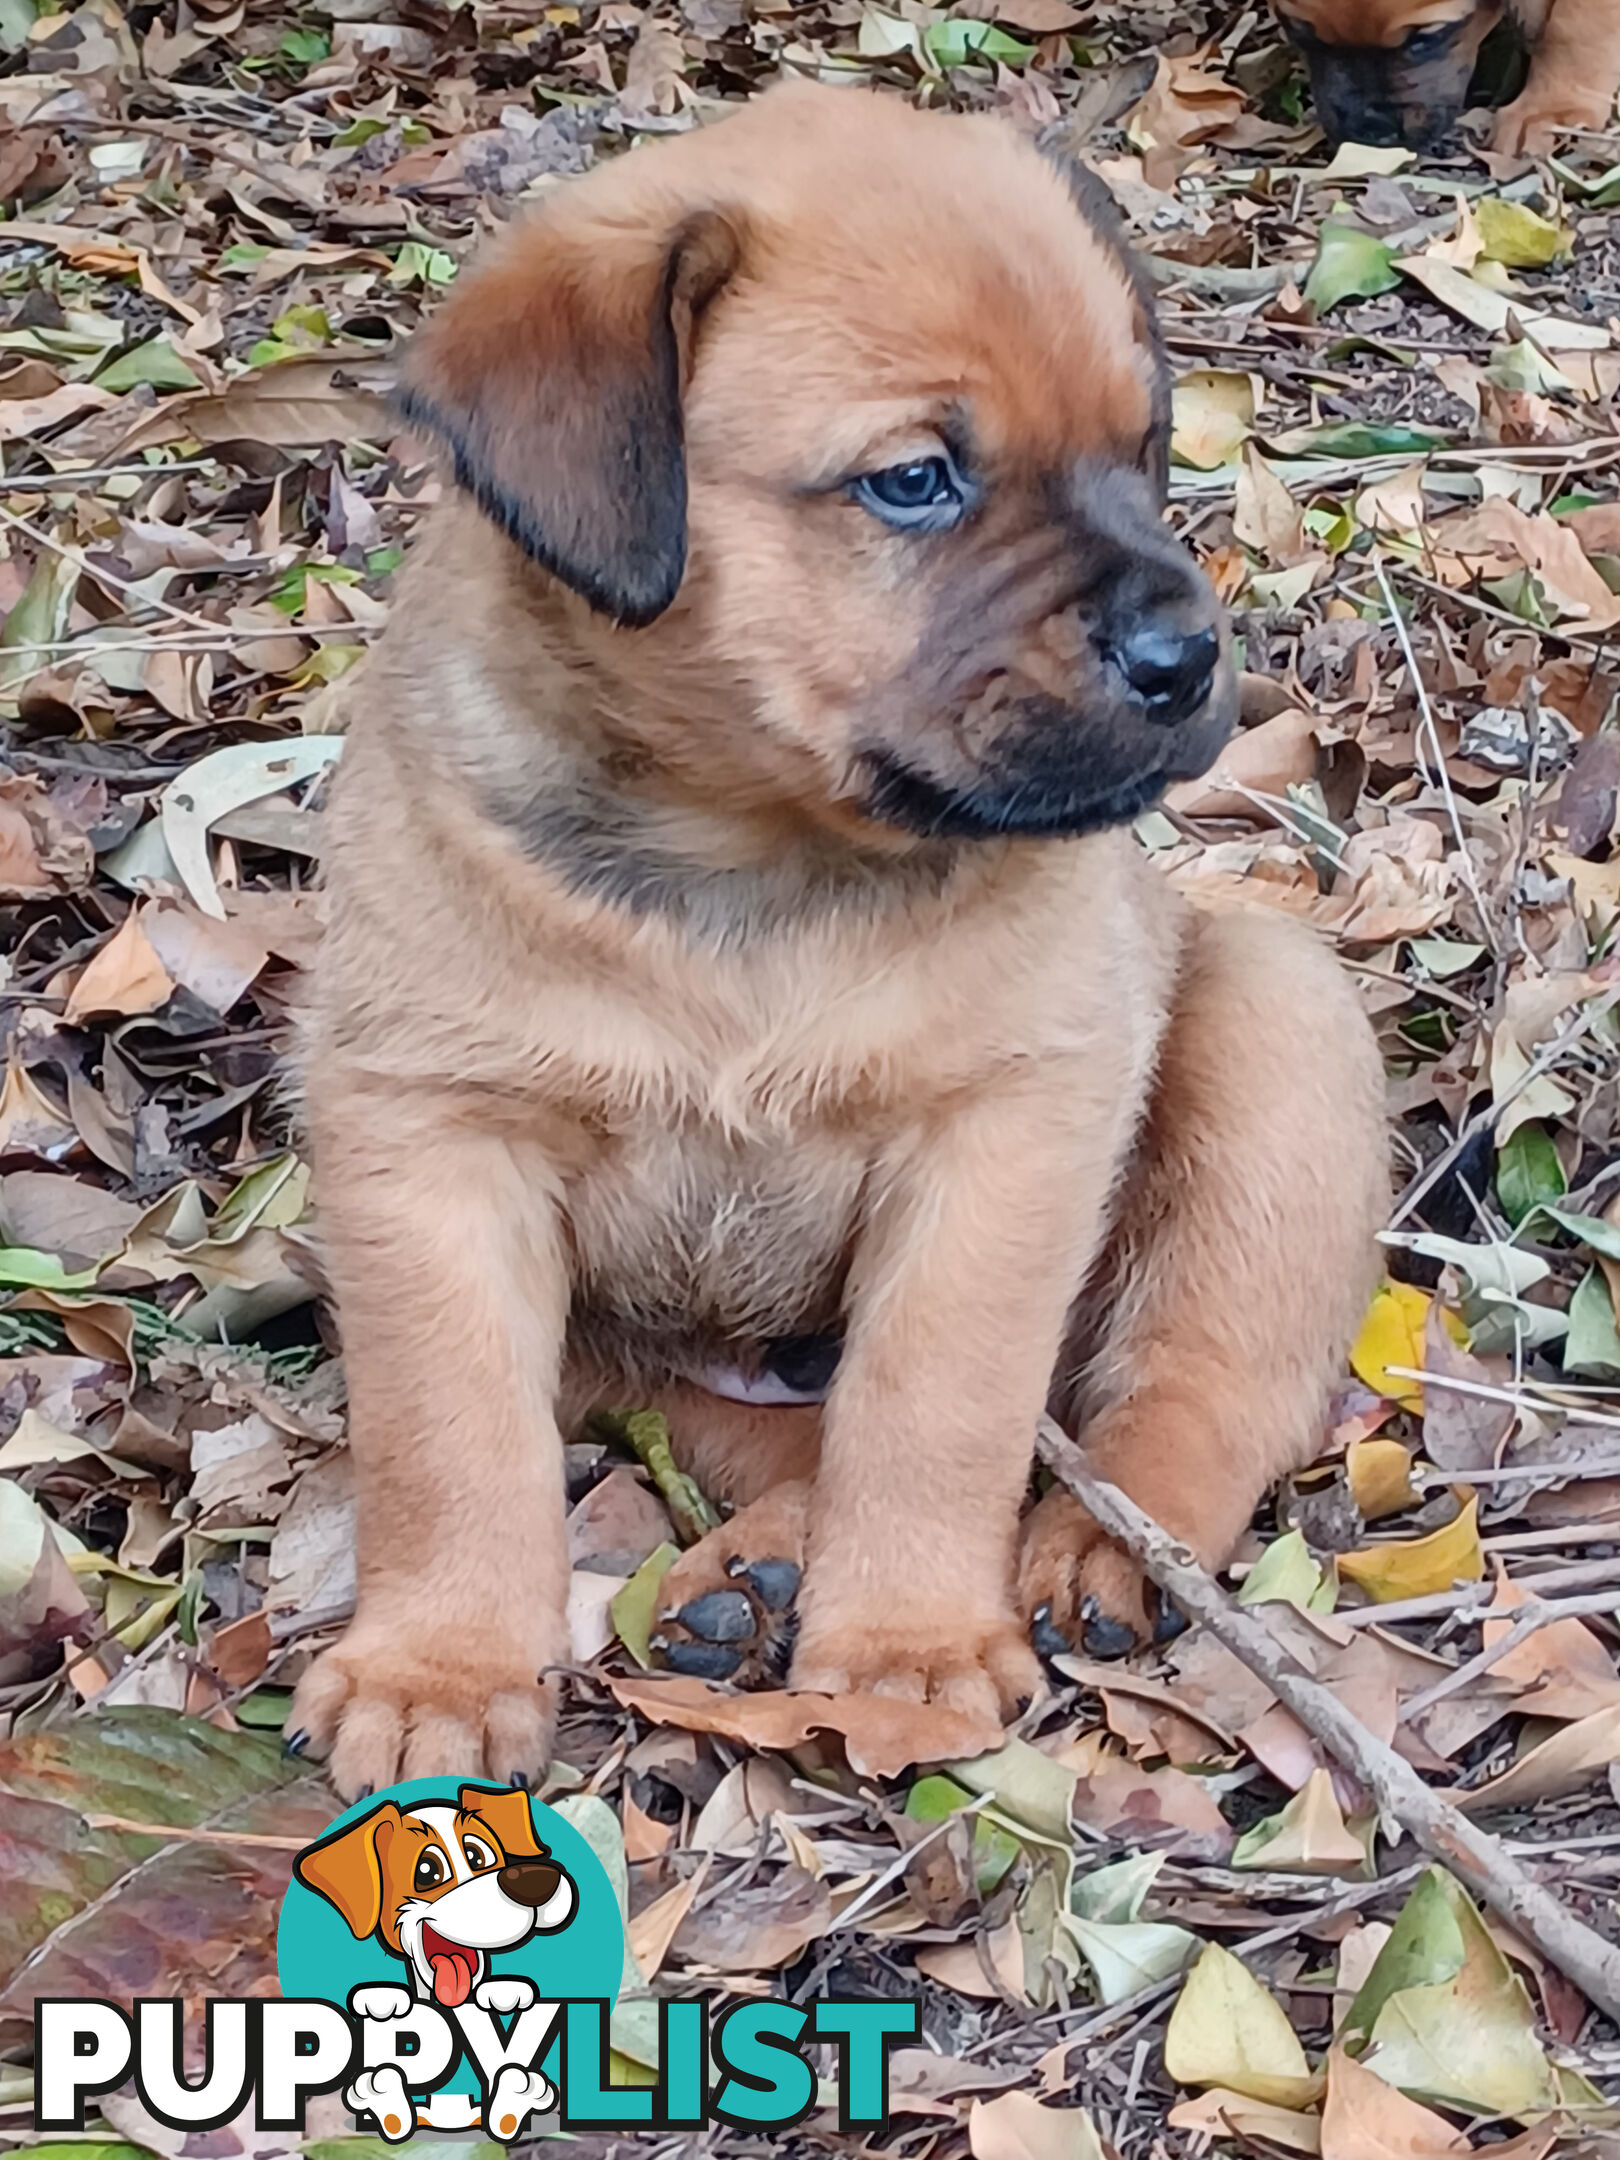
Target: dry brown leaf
{"type": "Point", "coordinates": [1267, 760]}
{"type": "Point", "coordinates": [1221, 2114]}
{"type": "Point", "coordinates": [882, 1736]}
{"type": "Point", "coordinates": [1365, 2119]}
{"type": "Point", "coordinates": [1018, 2127]}
{"type": "Point", "coordinates": [1564, 1670]}
{"type": "Point", "coordinates": [959, 1966]}
{"type": "Point", "coordinates": [653, 1929]}
{"type": "Point", "coordinates": [126, 976]}
{"type": "Point", "coordinates": [756, 1926]}
{"type": "Point", "coordinates": [1566, 1763]}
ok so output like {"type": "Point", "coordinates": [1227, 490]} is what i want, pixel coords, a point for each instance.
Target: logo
{"type": "Point", "coordinates": [454, 1920]}
{"type": "Point", "coordinates": [450, 1956]}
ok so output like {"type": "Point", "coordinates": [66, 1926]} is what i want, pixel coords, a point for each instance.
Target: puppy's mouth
{"type": "Point", "coordinates": [1029, 807]}
{"type": "Point", "coordinates": [455, 1966]}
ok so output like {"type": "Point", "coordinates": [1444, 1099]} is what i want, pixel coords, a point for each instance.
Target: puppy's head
{"type": "Point", "coordinates": [848, 427]}
{"type": "Point", "coordinates": [1389, 71]}
{"type": "Point", "coordinates": [443, 1886]}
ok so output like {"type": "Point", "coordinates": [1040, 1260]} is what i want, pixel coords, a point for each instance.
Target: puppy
{"type": "Point", "coordinates": [1397, 71]}
{"type": "Point", "coordinates": [442, 1887]}
{"type": "Point", "coordinates": [737, 940]}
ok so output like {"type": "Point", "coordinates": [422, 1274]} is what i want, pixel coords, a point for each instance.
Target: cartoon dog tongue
{"type": "Point", "coordinates": [454, 1968]}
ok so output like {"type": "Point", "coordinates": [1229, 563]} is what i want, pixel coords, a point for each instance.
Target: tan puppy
{"type": "Point", "coordinates": [733, 937]}
{"type": "Point", "coordinates": [1397, 71]}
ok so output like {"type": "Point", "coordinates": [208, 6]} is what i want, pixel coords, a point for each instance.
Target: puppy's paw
{"type": "Point", "coordinates": [385, 1704]}
{"type": "Point", "coordinates": [1531, 125]}
{"type": "Point", "coordinates": [515, 2096]}
{"type": "Point", "coordinates": [1079, 1592]}
{"type": "Point", "coordinates": [986, 1670]}
{"type": "Point", "coordinates": [726, 1608]}
{"type": "Point", "coordinates": [380, 2001]}
{"type": "Point", "coordinates": [381, 2094]}
{"type": "Point", "coordinates": [506, 1993]}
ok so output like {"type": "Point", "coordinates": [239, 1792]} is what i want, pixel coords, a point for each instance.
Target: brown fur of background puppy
{"type": "Point", "coordinates": [735, 937]}
{"type": "Point", "coordinates": [1397, 71]}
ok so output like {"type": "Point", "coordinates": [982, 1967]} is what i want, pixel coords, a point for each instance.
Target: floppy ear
{"type": "Point", "coordinates": [554, 377]}
{"type": "Point", "coordinates": [506, 1816]}
{"type": "Point", "coordinates": [347, 1868]}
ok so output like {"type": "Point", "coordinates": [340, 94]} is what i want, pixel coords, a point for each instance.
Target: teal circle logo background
{"type": "Point", "coordinates": [317, 1956]}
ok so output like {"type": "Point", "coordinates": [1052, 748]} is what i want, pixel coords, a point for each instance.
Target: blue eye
{"type": "Point", "coordinates": [926, 495]}
{"type": "Point", "coordinates": [1424, 44]}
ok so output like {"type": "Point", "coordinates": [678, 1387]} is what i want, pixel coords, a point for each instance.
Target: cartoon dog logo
{"type": "Point", "coordinates": [443, 1888]}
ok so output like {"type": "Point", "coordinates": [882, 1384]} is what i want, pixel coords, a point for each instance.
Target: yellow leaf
{"type": "Point", "coordinates": [1392, 1334]}
{"type": "Point", "coordinates": [1226, 2030]}
{"type": "Point", "coordinates": [1212, 412]}
{"type": "Point", "coordinates": [1222, 2114]}
{"type": "Point", "coordinates": [1419, 1567]}
{"type": "Point", "coordinates": [1017, 2127]}
{"type": "Point", "coordinates": [1518, 236]}
{"type": "Point", "coordinates": [1380, 1474]}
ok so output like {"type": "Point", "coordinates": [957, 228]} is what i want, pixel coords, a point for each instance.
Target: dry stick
{"type": "Point", "coordinates": [1528, 1620]}
{"type": "Point", "coordinates": [1476, 1858]}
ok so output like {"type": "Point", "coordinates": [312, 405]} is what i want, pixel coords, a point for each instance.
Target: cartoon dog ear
{"type": "Point", "coordinates": [554, 377]}
{"type": "Point", "coordinates": [505, 1815]}
{"type": "Point", "coordinates": [347, 1868]}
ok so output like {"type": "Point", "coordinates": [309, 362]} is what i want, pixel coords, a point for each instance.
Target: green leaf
{"type": "Point", "coordinates": [1528, 1172]}
{"type": "Point", "coordinates": [305, 47]}
{"type": "Point", "coordinates": [1592, 1345]}
{"type": "Point", "coordinates": [381, 562]}
{"type": "Point", "coordinates": [1285, 1574]}
{"type": "Point", "coordinates": [1350, 265]}
{"type": "Point", "coordinates": [633, 1607]}
{"type": "Point", "coordinates": [1592, 1230]}
{"type": "Point", "coordinates": [646, 1434]}
{"type": "Point", "coordinates": [103, 1890]}
{"type": "Point", "coordinates": [1114, 1895]}
{"type": "Point", "coordinates": [17, 18]}
{"type": "Point", "coordinates": [39, 617]}
{"type": "Point", "coordinates": [243, 254]}
{"type": "Point", "coordinates": [156, 363]}
{"type": "Point", "coordinates": [265, 1710]}
{"type": "Point", "coordinates": [1441, 957]}
{"type": "Point", "coordinates": [21, 1268]}
{"type": "Point", "coordinates": [418, 264]}
{"type": "Point", "coordinates": [307, 324]}
{"type": "Point", "coordinates": [1354, 439]}
{"type": "Point", "coordinates": [1127, 1956]}
{"type": "Point", "coordinates": [358, 132]}
{"type": "Point", "coordinates": [934, 1799]}
{"type": "Point", "coordinates": [1448, 2019]}
{"type": "Point", "coordinates": [954, 41]}
{"type": "Point", "coordinates": [1027, 1786]}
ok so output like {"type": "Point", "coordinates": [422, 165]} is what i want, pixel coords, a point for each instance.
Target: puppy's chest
{"type": "Point", "coordinates": [696, 1235]}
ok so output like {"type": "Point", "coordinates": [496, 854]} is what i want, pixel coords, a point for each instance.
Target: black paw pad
{"type": "Point", "coordinates": [700, 1660]}
{"type": "Point", "coordinates": [1101, 1635]}
{"type": "Point", "coordinates": [774, 1582]}
{"type": "Point", "coordinates": [1170, 1622]}
{"type": "Point", "coordinates": [1047, 1639]}
{"type": "Point", "coordinates": [720, 1616]}
{"type": "Point", "coordinates": [294, 1743]}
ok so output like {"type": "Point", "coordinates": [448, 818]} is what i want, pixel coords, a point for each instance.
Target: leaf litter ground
{"type": "Point", "coordinates": [1160, 1917]}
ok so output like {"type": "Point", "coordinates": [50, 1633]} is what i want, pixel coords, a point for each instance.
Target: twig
{"type": "Point", "coordinates": [1468, 1603]}
{"type": "Point", "coordinates": [1528, 1620]}
{"type": "Point", "coordinates": [1475, 1857]}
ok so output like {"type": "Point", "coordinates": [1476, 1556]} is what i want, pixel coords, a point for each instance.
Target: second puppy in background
{"type": "Point", "coordinates": [1398, 71]}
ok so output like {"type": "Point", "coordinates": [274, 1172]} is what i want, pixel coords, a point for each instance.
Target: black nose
{"type": "Point", "coordinates": [530, 1882]}
{"type": "Point", "coordinates": [1170, 670]}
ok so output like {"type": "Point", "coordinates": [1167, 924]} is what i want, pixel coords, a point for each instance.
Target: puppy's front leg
{"type": "Point", "coordinates": [444, 1247]}
{"type": "Point", "coordinates": [978, 1234]}
{"type": "Point", "coordinates": [1574, 74]}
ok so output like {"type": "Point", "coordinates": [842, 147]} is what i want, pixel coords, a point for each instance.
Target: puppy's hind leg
{"type": "Point", "coordinates": [1240, 1265]}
